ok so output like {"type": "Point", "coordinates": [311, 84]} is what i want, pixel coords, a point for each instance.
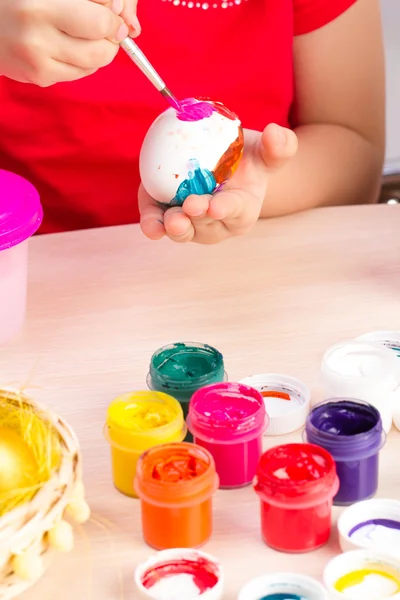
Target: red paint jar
{"type": "Point", "coordinates": [296, 484]}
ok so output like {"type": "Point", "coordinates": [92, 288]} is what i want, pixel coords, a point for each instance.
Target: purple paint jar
{"type": "Point", "coordinates": [351, 430]}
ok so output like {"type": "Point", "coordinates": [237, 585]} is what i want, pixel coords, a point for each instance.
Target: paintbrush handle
{"type": "Point", "coordinates": [137, 56]}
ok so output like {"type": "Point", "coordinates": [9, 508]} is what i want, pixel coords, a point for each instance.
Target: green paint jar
{"type": "Point", "coordinates": [181, 369]}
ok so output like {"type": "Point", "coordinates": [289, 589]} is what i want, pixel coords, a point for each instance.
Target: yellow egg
{"type": "Point", "coordinates": [17, 463]}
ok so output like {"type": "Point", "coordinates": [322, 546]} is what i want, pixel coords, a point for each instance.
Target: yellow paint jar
{"type": "Point", "coordinates": [136, 422]}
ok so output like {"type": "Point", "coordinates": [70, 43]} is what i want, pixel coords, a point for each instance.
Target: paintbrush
{"type": "Point", "coordinates": [137, 56]}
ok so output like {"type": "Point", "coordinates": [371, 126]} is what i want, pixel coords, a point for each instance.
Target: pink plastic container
{"type": "Point", "coordinates": [229, 419]}
{"type": "Point", "coordinates": [20, 217]}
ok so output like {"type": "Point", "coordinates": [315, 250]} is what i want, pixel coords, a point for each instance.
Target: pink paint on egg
{"type": "Point", "coordinates": [194, 110]}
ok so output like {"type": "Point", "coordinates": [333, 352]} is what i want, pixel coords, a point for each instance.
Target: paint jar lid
{"type": "Point", "coordinates": [376, 575]}
{"type": "Point", "coordinates": [279, 584]}
{"type": "Point", "coordinates": [287, 401]}
{"type": "Point", "coordinates": [371, 524]}
{"type": "Point", "coordinates": [21, 212]}
{"type": "Point", "coordinates": [177, 573]}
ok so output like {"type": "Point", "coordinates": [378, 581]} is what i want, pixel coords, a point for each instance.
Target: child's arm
{"type": "Point", "coordinates": [340, 115]}
{"type": "Point", "coordinates": [336, 157]}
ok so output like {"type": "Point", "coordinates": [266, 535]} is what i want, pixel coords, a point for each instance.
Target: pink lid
{"type": "Point", "coordinates": [20, 210]}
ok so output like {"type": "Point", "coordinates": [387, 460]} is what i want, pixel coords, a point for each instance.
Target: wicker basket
{"type": "Point", "coordinates": [25, 529]}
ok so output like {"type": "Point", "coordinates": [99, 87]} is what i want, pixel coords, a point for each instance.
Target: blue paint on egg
{"type": "Point", "coordinates": [199, 181]}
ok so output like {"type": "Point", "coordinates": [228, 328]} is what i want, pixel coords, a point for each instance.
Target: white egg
{"type": "Point", "coordinates": [192, 151]}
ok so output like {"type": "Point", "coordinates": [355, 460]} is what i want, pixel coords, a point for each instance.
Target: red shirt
{"type": "Point", "coordinates": [78, 143]}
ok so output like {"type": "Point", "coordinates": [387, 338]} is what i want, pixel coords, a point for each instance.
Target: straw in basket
{"type": "Point", "coordinates": [34, 528]}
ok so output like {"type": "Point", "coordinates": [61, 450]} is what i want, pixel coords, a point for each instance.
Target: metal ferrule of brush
{"type": "Point", "coordinates": [137, 56]}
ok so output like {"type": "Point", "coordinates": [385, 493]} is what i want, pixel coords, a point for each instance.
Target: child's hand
{"type": "Point", "coordinates": [232, 211]}
{"type": "Point", "coordinates": [49, 41]}
{"type": "Point", "coordinates": [130, 17]}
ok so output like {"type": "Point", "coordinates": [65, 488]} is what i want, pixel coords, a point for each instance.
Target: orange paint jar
{"type": "Point", "coordinates": [176, 483]}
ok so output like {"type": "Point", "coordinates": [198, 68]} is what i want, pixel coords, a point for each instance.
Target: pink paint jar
{"type": "Point", "coordinates": [229, 419]}
{"type": "Point", "coordinates": [20, 217]}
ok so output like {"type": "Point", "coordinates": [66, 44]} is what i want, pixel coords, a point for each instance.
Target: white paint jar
{"type": "Point", "coordinates": [363, 371]}
{"type": "Point", "coordinates": [20, 216]}
{"type": "Point", "coordinates": [390, 339]}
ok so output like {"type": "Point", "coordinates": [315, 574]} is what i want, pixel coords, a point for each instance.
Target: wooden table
{"type": "Point", "coordinates": [102, 301]}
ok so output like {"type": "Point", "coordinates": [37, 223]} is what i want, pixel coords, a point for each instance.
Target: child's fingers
{"type": "Point", "coordinates": [60, 71]}
{"type": "Point", "coordinates": [196, 206]}
{"type": "Point", "coordinates": [178, 226]}
{"type": "Point", "coordinates": [226, 205]}
{"type": "Point", "coordinates": [130, 17]}
{"type": "Point", "coordinates": [151, 216]}
{"type": "Point", "coordinates": [117, 6]}
{"type": "Point", "coordinates": [84, 54]}
{"type": "Point", "coordinates": [88, 20]}
{"type": "Point", "coordinates": [152, 229]}
{"type": "Point", "coordinates": [277, 145]}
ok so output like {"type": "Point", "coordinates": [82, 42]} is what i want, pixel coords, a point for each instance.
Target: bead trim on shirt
{"type": "Point", "coordinates": [205, 5]}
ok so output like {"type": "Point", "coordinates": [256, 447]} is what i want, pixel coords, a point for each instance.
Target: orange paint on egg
{"type": "Point", "coordinates": [230, 160]}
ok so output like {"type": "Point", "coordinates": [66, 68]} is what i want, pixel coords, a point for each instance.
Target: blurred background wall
{"type": "Point", "coordinates": [391, 24]}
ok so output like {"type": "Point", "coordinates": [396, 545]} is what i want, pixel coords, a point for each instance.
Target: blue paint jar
{"type": "Point", "coordinates": [351, 430]}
